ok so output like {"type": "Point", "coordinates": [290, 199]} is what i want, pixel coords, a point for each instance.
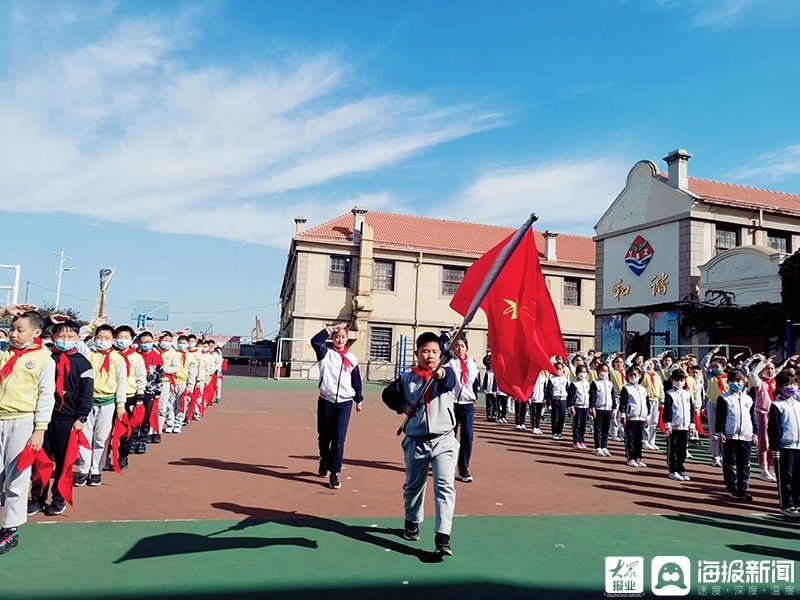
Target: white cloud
{"type": "Point", "coordinates": [772, 166]}
{"type": "Point", "coordinates": [122, 128]}
{"type": "Point", "coordinates": [712, 14]}
{"type": "Point", "coordinates": [567, 195]}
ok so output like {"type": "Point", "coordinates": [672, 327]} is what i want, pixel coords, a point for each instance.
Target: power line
{"type": "Point", "coordinates": [172, 312]}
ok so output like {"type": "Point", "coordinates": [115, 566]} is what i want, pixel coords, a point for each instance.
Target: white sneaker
{"type": "Point", "coordinates": [632, 463]}
{"type": "Point", "coordinates": [606, 452]}
{"type": "Point", "coordinates": [675, 476]}
{"type": "Point", "coordinates": [689, 454]}
{"type": "Point", "coordinates": [766, 476]}
{"type": "Point", "coordinates": [537, 431]}
{"type": "Point", "coordinates": [598, 452]}
{"type": "Point", "coordinates": [685, 476]}
{"type": "Point", "coordinates": [716, 462]}
{"type": "Point", "coordinates": [640, 463]}
{"type": "Point", "coordinates": [523, 428]}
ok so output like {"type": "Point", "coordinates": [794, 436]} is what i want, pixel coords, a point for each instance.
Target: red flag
{"type": "Point", "coordinates": [698, 423]}
{"type": "Point", "coordinates": [64, 484]}
{"type": "Point", "coordinates": [41, 463]}
{"type": "Point", "coordinates": [122, 428]}
{"type": "Point", "coordinates": [154, 417]}
{"type": "Point", "coordinates": [137, 416]}
{"type": "Point", "coordinates": [524, 332]}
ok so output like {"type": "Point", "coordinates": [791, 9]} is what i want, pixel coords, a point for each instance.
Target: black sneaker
{"type": "Point", "coordinates": [465, 477]}
{"type": "Point", "coordinates": [155, 438]}
{"type": "Point", "coordinates": [55, 509]}
{"type": "Point", "coordinates": [744, 496]}
{"type": "Point", "coordinates": [34, 506]}
{"type": "Point", "coordinates": [9, 538]}
{"type": "Point", "coordinates": [411, 531]}
{"type": "Point", "coordinates": [335, 485]}
{"type": "Point", "coordinates": [141, 448]}
{"type": "Point", "coordinates": [123, 463]}
{"type": "Point", "coordinates": [80, 480]}
{"type": "Point", "coordinates": [323, 468]}
{"type": "Point", "coordinates": [95, 480]}
{"type": "Point", "coordinates": [108, 466]}
{"type": "Point", "coordinates": [443, 545]}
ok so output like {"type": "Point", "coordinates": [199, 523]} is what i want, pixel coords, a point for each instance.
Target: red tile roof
{"type": "Point", "coordinates": [744, 196]}
{"type": "Point", "coordinates": [448, 237]}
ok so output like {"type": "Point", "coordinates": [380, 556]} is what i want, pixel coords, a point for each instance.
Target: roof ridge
{"type": "Point", "coordinates": [442, 220]}
{"type": "Point", "coordinates": [745, 186]}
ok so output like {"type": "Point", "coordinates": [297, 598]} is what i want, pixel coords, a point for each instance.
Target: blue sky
{"type": "Point", "coordinates": [177, 141]}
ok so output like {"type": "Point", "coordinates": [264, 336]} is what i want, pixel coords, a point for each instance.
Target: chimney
{"type": "Point", "coordinates": [678, 169]}
{"type": "Point", "coordinates": [550, 246]}
{"type": "Point", "coordinates": [299, 225]}
{"type": "Point", "coordinates": [359, 216]}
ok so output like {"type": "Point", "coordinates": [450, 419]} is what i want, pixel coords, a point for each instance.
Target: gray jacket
{"type": "Point", "coordinates": [434, 418]}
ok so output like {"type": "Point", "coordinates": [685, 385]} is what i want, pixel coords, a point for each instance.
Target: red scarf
{"type": "Point", "coordinates": [183, 358]}
{"type": "Point", "coordinates": [425, 375]}
{"type": "Point", "coordinates": [125, 356]}
{"type": "Point", "coordinates": [106, 366]}
{"type": "Point", "coordinates": [63, 368]}
{"type": "Point", "coordinates": [464, 369]}
{"type": "Point", "coordinates": [5, 372]}
{"type": "Point", "coordinates": [151, 359]}
{"type": "Point", "coordinates": [722, 383]}
{"type": "Point", "coordinates": [771, 387]}
{"type": "Point", "coordinates": [345, 361]}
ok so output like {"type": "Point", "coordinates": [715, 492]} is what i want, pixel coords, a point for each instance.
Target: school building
{"type": "Point", "coordinates": [392, 276]}
{"type": "Point", "coordinates": [683, 260]}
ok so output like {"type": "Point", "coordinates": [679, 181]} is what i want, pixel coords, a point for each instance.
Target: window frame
{"type": "Point", "coordinates": [370, 352]}
{"type": "Point", "coordinates": [348, 273]}
{"type": "Point", "coordinates": [568, 341]}
{"type": "Point", "coordinates": [452, 268]}
{"type": "Point", "coordinates": [783, 235]}
{"type": "Point", "coordinates": [727, 229]}
{"type": "Point", "coordinates": [375, 279]}
{"type": "Point", "coordinates": [578, 290]}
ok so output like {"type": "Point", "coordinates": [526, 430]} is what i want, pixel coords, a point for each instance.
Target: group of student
{"type": "Point", "coordinates": [90, 396]}
{"type": "Point", "coordinates": [742, 401]}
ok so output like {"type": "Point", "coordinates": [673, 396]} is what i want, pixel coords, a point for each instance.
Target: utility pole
{"type": "Point", "coordinates": [60, 272]}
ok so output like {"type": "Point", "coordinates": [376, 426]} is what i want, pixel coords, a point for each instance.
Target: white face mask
{"type": "Point", "coordinates": [602, 376]}
{"type": "Point", "coordinates": [583, 376]}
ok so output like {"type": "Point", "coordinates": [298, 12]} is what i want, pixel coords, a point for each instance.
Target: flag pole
{"type": "Point", "coordinates": [491, 276]}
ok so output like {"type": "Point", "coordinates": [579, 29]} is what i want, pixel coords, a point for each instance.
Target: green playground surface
{"type": "Point", "coordinates": [503, 557]}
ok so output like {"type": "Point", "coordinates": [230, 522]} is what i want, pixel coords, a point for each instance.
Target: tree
{"type": "Point", "coordinates": [48, 309]}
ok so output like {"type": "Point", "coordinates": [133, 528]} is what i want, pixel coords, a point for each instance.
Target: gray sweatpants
{"type": "Point", "coordinates": [442, 455]}
{"type": "Point", "coordinates": [14, 436]}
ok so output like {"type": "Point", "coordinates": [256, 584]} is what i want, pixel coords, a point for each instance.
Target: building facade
{"type": "Point", "coordinates": [392, 276]}
{"type": "Point", "coordinates": [670, 243]}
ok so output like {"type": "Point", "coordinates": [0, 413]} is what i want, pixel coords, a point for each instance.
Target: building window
{"type": "Point", "coordinates": [572, 346]}
{"type": "Point", "coordinates": [451, 278]}
{"type": "Point", "coordinates": [380, 343]}
{"type": "Point", "coordinates": [727, 238]}
{"type": "Point", "coordinates": [339, 275]}
{"type": "Point", "coordinates": [572, 291]}
{"type": "Point", "coordinates": [383, 275]}
{"type": "Point", "coordinates": [779, 240]}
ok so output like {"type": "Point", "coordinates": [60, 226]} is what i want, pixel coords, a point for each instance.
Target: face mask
{"type": "Point", "coordinates": [64, 346]}
{"type": "Point", "coordinates": [602, 376]}
{"type": "Point", "coordinates": [192, 345]}
{"type": "Point", "coordinates": [583, 376]}
{"type": "Point", "coordinates": [102, 345]}
{"type": "Point", "coordinates": [146, 347]}
{"type": "Point", "coordinates": [204, 350]}
{"type": "Point", "coordinates": [23, 346]}
{"type": "Point", "coordinates": [633, 380]}
{"type": "Point", "coordinates": [165, 345]}
{"type": "Point", "coordinates": [789, 390]}
{"type": "Point", "coordinates": [182, 347]}
{"type": "Point", "coordinates": [122, 344]}
{"type": "Point", "coordinates": [716, 371]}
{"type": "Point", "coordinates": [680, 384]}
{"type": "Point", "coordinates": [735, 387]}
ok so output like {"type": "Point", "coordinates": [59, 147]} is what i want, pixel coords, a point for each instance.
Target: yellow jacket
{"type": "Point", "coordinates": [29, 390]}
